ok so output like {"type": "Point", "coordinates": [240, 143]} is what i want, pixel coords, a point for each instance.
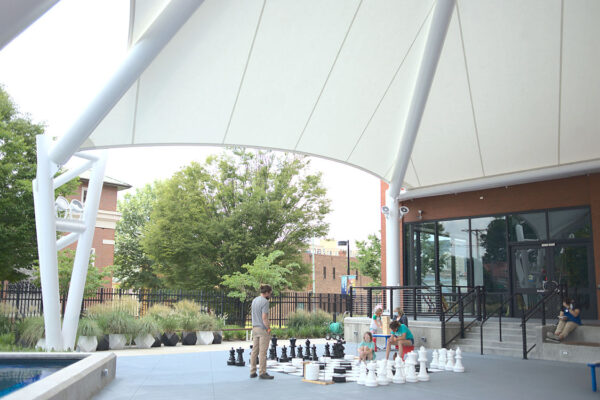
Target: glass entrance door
{"type": "Point", "coordinates": [569, 264]}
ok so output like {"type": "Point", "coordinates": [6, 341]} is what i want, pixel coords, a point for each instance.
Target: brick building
{"type": "Point", "coordinates": [106, 222]}
{"type": "Point", "coordinates": [329, 270]}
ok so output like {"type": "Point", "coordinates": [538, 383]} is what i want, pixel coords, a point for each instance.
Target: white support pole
{"type": "Point", "coordinates": [66, 240]}
{"type": "Point", "coordinates": [392, 256]}
{"type": "Point", "coordinates": [442, 14]}
{"type": "Point", "coordinates": [43, 195]}
{"type": "Point", "coordinates": [138, 59]}
{"type": "Point", "coordinates": [82, 255]}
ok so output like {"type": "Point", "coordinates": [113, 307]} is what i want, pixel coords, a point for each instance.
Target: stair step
{"type": "Point", "coordinates": [489, 343]}
{"type": "Point", "coordinates": [505, 336]}
{"type": "Point", "coordinates": [492, 350]}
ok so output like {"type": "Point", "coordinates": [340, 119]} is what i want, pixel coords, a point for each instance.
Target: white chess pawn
{"type": "Point", "coordinates": [450, 362]}
{"type": "Point", "coordinates": [423, 376]}
{"type": "Point", "coordinates": [411, 374]}
{"type": "Point", "coordinates": [458, 366]}
{"type": "Point", "coordinates": [435, 360]}
{"type": "Point", "coordinates": [371, 380]}
{"type": "Point", "coordinates": [382, 373]}
{"type": "Point", "coordinates": [442, 360]}
{"type": "Point", "coordinates": [390, 373]}
{"type": "Point", "coordinates": [362, 374]}
{"type": "Point", "coordinates": [399, 375]}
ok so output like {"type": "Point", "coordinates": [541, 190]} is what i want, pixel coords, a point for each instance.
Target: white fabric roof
{"type": "Point", "coordinates": [517, 86]}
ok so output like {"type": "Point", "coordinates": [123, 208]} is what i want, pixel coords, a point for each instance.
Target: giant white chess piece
{"type": "Point", "coordinates": [411, 362]}
{"type": "Point", "coordinates": [399, 375]}
{"type": "Point", "coordinates": [390, 373]}
{"type": "Point", "coordinates": [442, 360]}
{"type": "Point", "coordinates": [382, 373]}
{"type": "Point", "coordinates": [458, 366]}
{"type": "Point", "coordinates": [450, 362]}
{"type": "Point", "coordinates": [371, 380]}
{"type": "Point", "coordinates": [362, 374]}
{"type": "Point", "coordinates": [435, 360]}
{"type": "Point", "coordinates": [423, 376]}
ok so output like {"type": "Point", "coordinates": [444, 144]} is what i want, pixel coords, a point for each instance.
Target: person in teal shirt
{"type": "Point", "coordinates": [366, 348]}
{"type": "Point", "coordinates": [400, 336]}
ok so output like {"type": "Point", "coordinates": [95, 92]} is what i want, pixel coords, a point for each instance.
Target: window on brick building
{"type": "Point", "coordinates": [324, 272]}
{"type": "Point", "coordinates": [334, 273]}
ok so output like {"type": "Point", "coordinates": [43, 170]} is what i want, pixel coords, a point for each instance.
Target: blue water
{"type": "Point", "coordinates": [17, 373]}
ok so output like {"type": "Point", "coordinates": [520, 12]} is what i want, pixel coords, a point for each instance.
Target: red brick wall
{"type": "Point", "coordinates": [340, 263]}
{"type": "Point", "coordinates": [569, 192]}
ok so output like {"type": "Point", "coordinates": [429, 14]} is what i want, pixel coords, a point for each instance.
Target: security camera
{"type": "Point", "coordinates": [403, 210]}
{"type": "Point", "coordinates": [385, 210]}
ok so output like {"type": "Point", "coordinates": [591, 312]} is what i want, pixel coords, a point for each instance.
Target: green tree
{"type": "Point", "coordinates": [263, 270]}
{"type": "Point", "coordinates": [369, 259]}
{"type": "Point", "coordinates": [18, 242]}
{"type": "Point", "coordinates": [133, 267]}
{"type": "Point", "coordinates": [93, 281]}
{"type": "Point", "coordinates": [211, 219]}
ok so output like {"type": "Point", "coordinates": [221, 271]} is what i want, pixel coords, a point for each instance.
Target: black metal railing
{"type": "Point", "coordinates": [560, 292]}
{"type": "Point", "coordinates": [498, 311]}
{"type": "Point", "coordinates": [23, 299]}
{"type": "Point", "coordinates": [457, 309]}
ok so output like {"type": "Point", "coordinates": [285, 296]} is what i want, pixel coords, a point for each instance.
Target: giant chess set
{"type": "Point", "coordinates": [334, 366]}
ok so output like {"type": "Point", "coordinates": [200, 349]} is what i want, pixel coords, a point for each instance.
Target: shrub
{"type": "Point", "coordinates": [147, 325]}
{"type": "Point", "coordinates": [298, 319]}
{"type": "Point", "coordinates": [169, 323]}
{"type": "Point", "coordinates": [159, 311]}
{"type": "Point", "coordinates": [88, 327]}
{"type": "Point", "coordinates": [190, 322]}
{"type": "Point", "coordinates": [187, 307]}
{"type": "Point", "coordinates": [119, 322]}
{"type": "Point", "coordinates": [320, 318]}
{"type": "Point", "coordinates": [207, 322]}
{"type": "Point", "coordinates": [31, 330]}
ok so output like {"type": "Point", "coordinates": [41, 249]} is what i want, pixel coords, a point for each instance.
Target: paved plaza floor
{"type": "Point", "coordinates": [203, 374]}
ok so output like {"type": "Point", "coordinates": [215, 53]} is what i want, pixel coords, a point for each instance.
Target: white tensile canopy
{"type": "Point", "coordinates": [436, 96]}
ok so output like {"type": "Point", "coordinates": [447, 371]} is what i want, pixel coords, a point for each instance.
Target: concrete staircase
{"type": "Point", "coordinates": [511, 344]}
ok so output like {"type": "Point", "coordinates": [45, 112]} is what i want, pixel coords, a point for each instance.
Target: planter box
{"type": "Point", "coordinates": [204, 337]}
{"type": "Point", "coordinates": [116, 341]}
{"type": "Point", "coordinates": [170, 339]}
{"type": "Point", "coordinates": [188, 338]}
{"type": "Point", "coordinates": [41, 344]}
{"type": "Point", "coordinates": [218, 337]}
{"type": "Point", "coordinates": [87, 344]}
{"type": "Point", "coordinates": [103, 343]}
{"type": "Point", "coordinates": [144, 341]}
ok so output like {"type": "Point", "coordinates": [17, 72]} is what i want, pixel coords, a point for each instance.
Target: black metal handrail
{"type": "Point", "coordinates": [526, 315]}
{"type": "Point", "coordinates": [474, 294]}
{"type": "Point", "coordinates": [488, 316]}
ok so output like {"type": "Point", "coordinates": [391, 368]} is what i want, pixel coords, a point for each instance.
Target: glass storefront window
{"type": "Point", "coordinates": [527, 227]}
{"type": "Point", "coordinates": [453, 245]}
{"type": "Point", "coordinates": [489, 252]}
{"type": "Point", "coordinates": [570, 224]}
{"type": "Point", "coordinates": [421, 245]}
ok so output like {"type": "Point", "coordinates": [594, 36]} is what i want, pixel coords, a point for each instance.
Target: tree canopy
{"type": "Point", "coordinates": [133, 267]}
{"type": "Point", "coordinates": [369, 258]}
{"type": "Point", "coordinates": [18, 242]}
{"type": "Point", "coordinates": [210, 219]}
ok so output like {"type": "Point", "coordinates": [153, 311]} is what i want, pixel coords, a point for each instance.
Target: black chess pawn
{"type": "Point", "coordinates": [341, 348]}
{"type": "Point", "coordinates": [307, 350]}
{"type": "Point", "coordinates": [231, 360]}
{"type": "Point", "coordinates": [300, 352]}
{"type": "Point", "coordinates": [240, 357]}
{"type": "Point", "coordinates": [327, 353]}
{"type": "Point", "coordinates": [314, 353]}
{"type": "Point", "coordinates": [293, 348]}
{"type": "Point", "coordinates": [284, 358]}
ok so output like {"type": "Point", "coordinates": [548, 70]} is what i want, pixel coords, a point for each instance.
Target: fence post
{"type": "Point", "coordinates": [369, 302]}
{"type": "Point", "coordinates": [443, 319]}
{"type": "Point", "coordinates": [440, 304]}
{"type": "Point", "coordinates": [544, 298]}
{"type": "Point", "coordinates": [309, 301]}
{"type": "Point", "coordinates": [350, 306]}
{"type": "Point", "coordinates": [524, 332]}
{"type": "Point", "coordinates": [415, 302]}
{"type": "Point", "coordinates": [391, 304]}
{"type": "Point", "coordinates": [461, 314]}
{"type": "Point", "coordinates": [280, 308]}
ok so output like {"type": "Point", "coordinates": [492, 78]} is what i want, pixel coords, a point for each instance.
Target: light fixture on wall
{"type": "Point", "coordinates": [420, 214]}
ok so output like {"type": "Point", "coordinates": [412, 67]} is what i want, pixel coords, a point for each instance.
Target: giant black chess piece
{"type": "Point", "coordinates": [240, 357]}
{"type": "Point", "coordinates": [273, 349]}
{"type": "Point", "coordinates": [314, 356]}
{"type": "Point", "coordinates": [231, 360]}
{"type": "Point", "coordinates": [284, 358]}
{"type": "Point", "coordinates": [293, 347]}
{"type": "Point", "coordinates": [327, 352]}
{"type": "Point", "coordinates": [307, 350]}
{"type": "Point", "coordinates": [300, 352]}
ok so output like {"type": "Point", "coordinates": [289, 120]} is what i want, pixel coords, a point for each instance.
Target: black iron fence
{"type": "Point", "coordinates": [24, 299]}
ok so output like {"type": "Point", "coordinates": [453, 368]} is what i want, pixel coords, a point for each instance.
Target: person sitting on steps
{"type": "Point", "coordinates": [568, 320]}
{"type": "Point", "coordinates": [400, 336]}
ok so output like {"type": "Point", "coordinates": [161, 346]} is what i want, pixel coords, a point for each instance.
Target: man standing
{"type": "Point", "coordinates": [261, 332]}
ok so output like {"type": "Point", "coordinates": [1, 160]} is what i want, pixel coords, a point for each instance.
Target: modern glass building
{"type": "Point", "coordinates": [511, 240]}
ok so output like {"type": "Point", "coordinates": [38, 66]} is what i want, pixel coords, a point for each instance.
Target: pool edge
{"type": "Point", "coordinates": [80, 380]}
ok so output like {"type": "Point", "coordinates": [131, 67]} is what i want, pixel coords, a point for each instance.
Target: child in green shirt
{"type": "Point", "coordinates": [366, 348]}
